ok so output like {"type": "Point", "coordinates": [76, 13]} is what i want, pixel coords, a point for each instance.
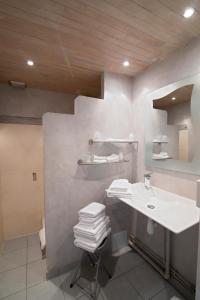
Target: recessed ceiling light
{"type": "Point", "coordinates": [126, 63]}
{"type": "Point", "coordinates": [188, 12]}
{"type": "Point", "coordinates": [173, 98]}
{"type": "Point", "coordinates": [30, 62]}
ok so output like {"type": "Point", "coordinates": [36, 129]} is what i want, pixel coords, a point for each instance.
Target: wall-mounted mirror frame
{"type": "Point", "coordinates": [151, 128]}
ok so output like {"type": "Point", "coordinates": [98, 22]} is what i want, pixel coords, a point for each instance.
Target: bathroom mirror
{"type": "Point", "coordinates": [172, 121]}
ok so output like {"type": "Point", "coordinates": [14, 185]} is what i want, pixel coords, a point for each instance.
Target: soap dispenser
{"type": "Point", "coordinates": [147, 180]}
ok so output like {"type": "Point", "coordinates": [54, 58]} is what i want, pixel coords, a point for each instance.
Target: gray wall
{"type": "Point", "coordinates": [28, 105]}
{"type": "Point", "coordinates": [180, 65]}
{"type": "Point", "coordinates": [68, 186]}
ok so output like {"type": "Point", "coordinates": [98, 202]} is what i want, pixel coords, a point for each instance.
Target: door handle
{"type": "Point", "coordinates": [34, 176]}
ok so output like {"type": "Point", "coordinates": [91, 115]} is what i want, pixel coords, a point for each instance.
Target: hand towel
{"type": "Point", "coordinates": [91, 231]}
{"type": "Point", "coordinates": [120, 185]}
{"type": "Point", "coordinates": [91, 246]}
{"type": "Point", "coordinates": [110, 158]}
{"type": "Point", "coordinates": [91, 220]}
{"type": "Point", "coordinates": [91, 225]}
{"type": "Point", "coordinates": [100, 161]}
{"type": "Point", "coordinates": [94, 237]}
{"type": "Point", "coordinates": [120, 194]}
{"type": "Point", "coordinates": [92, 210]}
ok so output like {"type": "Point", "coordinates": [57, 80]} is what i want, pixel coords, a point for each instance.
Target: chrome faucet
{"type": "Point", "coordinates": [147, 180]}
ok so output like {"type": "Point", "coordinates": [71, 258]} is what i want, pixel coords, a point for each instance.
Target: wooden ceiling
{"type": "Point", "coordinates": [181, 95]}
{"type": "Point", "coordinates": [73, 41]}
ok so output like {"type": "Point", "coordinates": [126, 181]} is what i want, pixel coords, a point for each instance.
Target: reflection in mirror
{"type": "Point", "coordinates": [175, 138]}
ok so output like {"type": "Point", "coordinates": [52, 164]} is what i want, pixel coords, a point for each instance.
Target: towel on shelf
{"type": "Point", "coordinates": [120, 185]}
{"type": "Point", "coordinates": [161, 155]}
{"type": "Point", "coordinates": [125, 195]}
{"type": "Point", "coordinates": [93, 210]}
{"type": "Point", "coordinates": [91, 234]}
{"type": "Point", "coordinates": [113, 158]}
{"type": "Point", "coordinates": [93, 227]}
{"type": "Point", "coordinates": [91, 231]}
{"type": "Point", "coordinates": [100, 161]}
{"type": "Point", "coordinates": [85, 224]}
{"type": "Point", "coordinates": [97, 157]}
{"type": "Point", "coordinates": [110, 158]}
{"type": "Point", "coordinates": [91, 220]}
{"type": "Point", "coordinates": [120, 188]}
{"type": "Point", "coordinates": [91, 246]}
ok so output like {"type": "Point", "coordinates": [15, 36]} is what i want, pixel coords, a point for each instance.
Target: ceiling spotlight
{"type": "Point", "coordinates": [126, 63]}
{"type": "Point", "coordinates": [188, 12]}
{"type": "Point", "coordinates": [173, 98]}
{"type": "Point", "coordinates": [30, 62]}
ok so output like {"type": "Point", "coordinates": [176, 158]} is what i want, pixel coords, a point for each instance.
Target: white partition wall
{"type": "Point", "coordinates": [69, 186]}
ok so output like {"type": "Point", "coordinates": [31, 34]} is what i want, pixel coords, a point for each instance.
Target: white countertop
{"type": "Point", "coordinates": [170, 210]}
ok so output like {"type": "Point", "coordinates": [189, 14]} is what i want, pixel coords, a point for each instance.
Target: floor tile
{"type": "Point", "coordinates": [13, 259]}
{"type": "Point", "coordinates": [118, 289]}
{"type": "Point", "coordinates": [17, 296]}
{"type": "Point", "coordinates": [86, 297]}
{"type": "Point", "coordinates": [75, 292]}
{"type": "Point", "coordinates": [33, 240]}
{"type": "Point", "coordinates": [44, 265]}
{"type": "Point", "coordinates": [129, 261]}
{"type": "Point", "coordinates": [35, 273]}
{"type": "Point", "coordinates": [124, 263]}
{"type": "Point", "coordinates": [34, 253]}
{"type": "Point", "coordinates": [167, 293]}
{"type": "Point", "coordinates": [12, 281]}
{"type": "Point", "coordinates": [15, 244]}
{"type": "Point", "coordinates": [146, 280]}
{"type": "Point", "coordinates": [47, 290]}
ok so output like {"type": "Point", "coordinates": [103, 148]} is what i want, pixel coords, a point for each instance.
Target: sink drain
{"type": "Point", "coordinates": [151, 206]}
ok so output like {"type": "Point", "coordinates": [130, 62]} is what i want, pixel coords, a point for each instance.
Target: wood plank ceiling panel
{"type": "Point", "coordinates": [73, 41]}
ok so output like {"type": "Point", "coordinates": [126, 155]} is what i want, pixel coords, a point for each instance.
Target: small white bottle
{"type": "Point", "coordinates": [147, 180]}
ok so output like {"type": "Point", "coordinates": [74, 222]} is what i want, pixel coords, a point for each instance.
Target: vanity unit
{"type": "Point", "coordinates": [173, 212]}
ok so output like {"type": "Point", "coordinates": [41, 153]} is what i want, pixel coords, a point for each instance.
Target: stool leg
{"type": "Point", "coordinates": [91, 260]}
{"type": "Point", "coordinates": [75, 276]}
{"type": "Point", "coordinates": [106, 270]}
{"type": "Point", "coordinates": [96, 277]}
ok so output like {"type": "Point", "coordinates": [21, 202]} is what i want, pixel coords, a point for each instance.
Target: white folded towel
{"type": "Point", "coordinates": [113, 158]}
{"type": "Point", "coordinates": [92, 210]}
{"type": "Point", "coordinates": [91, 246]}
{"type": "Point", "coordinates": [91, 220]}
{"type": "Point", "coordinates": [85, 224]}
{"type": "Point", "coordinates": [161, 155]}
{"type": "Point", "coordinates": [120, 185]}
{"type": "Point", "coordinates": [110, 158]}
{"type": "Point", "coordinates": [94, 235]}
{"type": "Point", "coordinates": [91, 231]}
{"type": "Point", "coordinates": [100, 161]}
{"type": "Point", "coordinates": [120, 193]}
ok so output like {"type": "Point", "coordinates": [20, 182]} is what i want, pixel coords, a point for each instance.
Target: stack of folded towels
{"type": "Point", "coordinates": [120, 188]}
{"type": "Point", "coordinates": [106, 159]}
{"type": "Point", "coordinates": [93, 227]}
{"type": "Point", "coordinates": [161, 155]}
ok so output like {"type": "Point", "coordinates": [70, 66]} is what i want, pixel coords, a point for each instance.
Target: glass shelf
{"type": "Point", "coordinates": [93, 163]}
{"type": "Point", "coordinates": [114, 141]}
{"type": "Point", "coordinates": [159, 142]}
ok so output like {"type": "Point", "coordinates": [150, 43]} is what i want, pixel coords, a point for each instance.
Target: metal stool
{"type": "Point", "coordinates": [95, 259]}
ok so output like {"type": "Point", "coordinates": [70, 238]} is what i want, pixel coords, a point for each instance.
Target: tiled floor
{"type": "Point", "coordinates": [22, 277]}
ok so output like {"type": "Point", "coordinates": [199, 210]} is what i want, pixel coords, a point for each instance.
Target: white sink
{"type": "Point", "coordinates": [157, 204]}
{"type": "Point", "coordinates": [172, 211]}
